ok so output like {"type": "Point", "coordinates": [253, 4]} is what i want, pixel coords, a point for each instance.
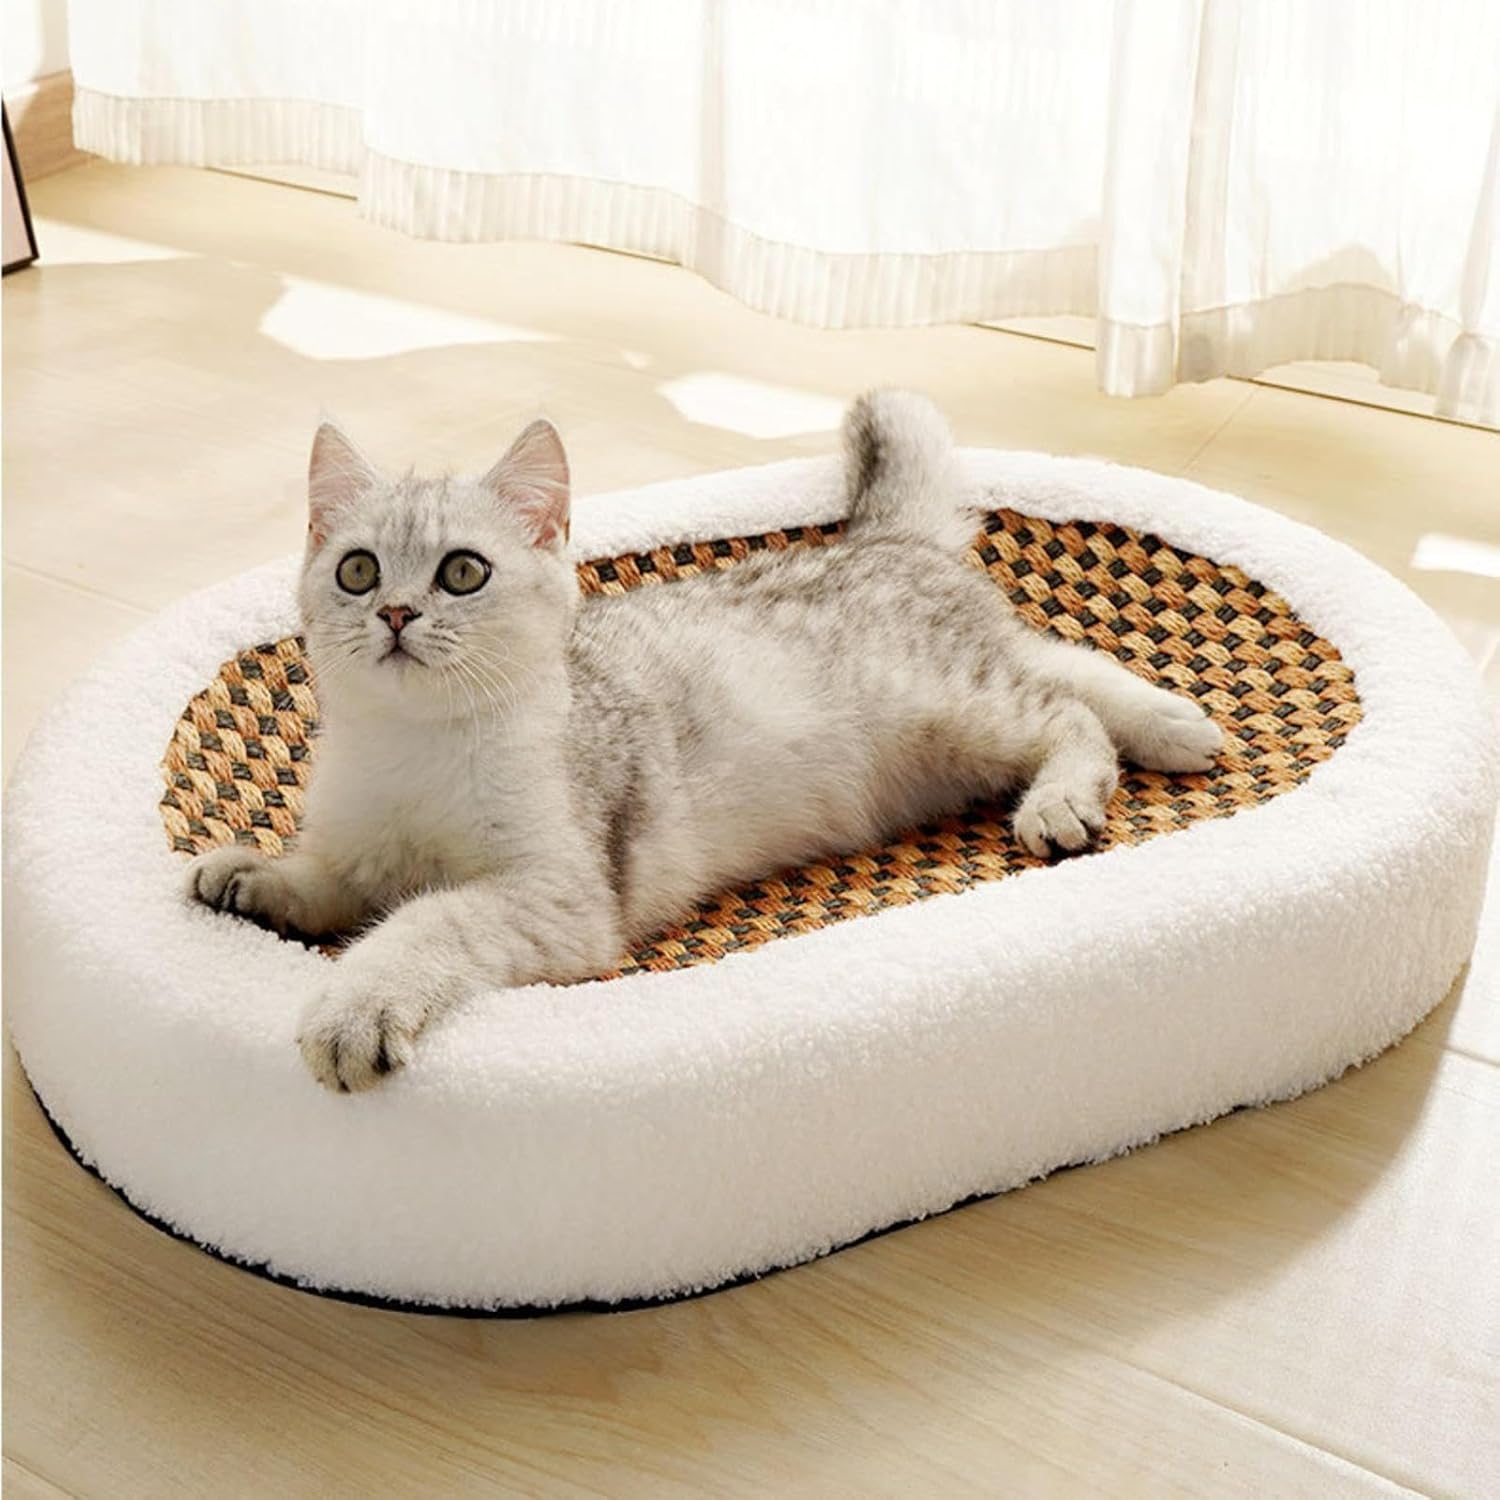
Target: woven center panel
{"type": "Point", "coordinates": [240, 756]}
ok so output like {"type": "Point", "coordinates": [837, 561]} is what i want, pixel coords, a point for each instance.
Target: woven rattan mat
{"type": "Point", "coordinates": [241, 753]}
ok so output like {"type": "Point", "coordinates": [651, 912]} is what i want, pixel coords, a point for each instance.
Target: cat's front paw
{"type": "Point", "coordinates": [1170, 733]}
{"type": "Point", "coordinates": [359, 1027]}
{"type": "Point", "coordinates": [242, 881]}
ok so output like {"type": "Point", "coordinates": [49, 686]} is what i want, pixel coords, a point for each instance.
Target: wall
{"type": "Point", "coordinates": [35, 40]}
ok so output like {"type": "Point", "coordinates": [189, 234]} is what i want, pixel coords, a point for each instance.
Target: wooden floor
{"type": "Point", "coordinates": [1298, 1301]}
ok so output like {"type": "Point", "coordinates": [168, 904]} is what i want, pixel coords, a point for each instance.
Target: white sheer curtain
{"type": "Point", "coordinates": [1223, 184]}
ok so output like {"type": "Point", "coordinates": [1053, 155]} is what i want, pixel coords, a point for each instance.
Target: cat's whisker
{"type": "Point", "coordinates": [483, 687]}
{"type": "Point", "coordinates": [486, 666]}
{"type": "Point", "coordinates": [462, 678]}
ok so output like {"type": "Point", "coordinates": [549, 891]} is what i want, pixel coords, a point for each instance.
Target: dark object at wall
{"type": "Point", "coordinates": [19, 238]}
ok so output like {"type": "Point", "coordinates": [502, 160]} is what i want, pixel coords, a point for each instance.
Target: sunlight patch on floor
{"type": "Point", "coordinates": [1437, 552]}
{"type": "Point", "coordinates": [320, 321]}
{"type": "Point", "coordinates": [64, 244]}
{"type": "Point", "coordinates": [752, 407]}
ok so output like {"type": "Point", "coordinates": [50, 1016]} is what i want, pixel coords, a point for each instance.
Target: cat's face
{"type": "Point", "coordinates": [437, 598]}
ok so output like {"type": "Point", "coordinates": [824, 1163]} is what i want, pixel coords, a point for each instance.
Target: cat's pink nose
{"type": "Point", "coordinates": [398, 616]}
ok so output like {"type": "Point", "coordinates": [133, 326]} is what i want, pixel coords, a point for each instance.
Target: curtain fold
{"type": "Point", "coordinates": [1223, 185]}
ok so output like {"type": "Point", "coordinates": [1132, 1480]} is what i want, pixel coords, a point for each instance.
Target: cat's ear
{"type": "Point", "coordinates": [338, 475]}
{"type": "Point", "coordinates": [532, 480]}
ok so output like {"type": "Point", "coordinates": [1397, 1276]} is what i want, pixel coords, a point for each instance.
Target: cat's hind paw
{"type": "Point", "coordinates": [1055, 816]}
{"type": "Point", "coordinates": [1171, 733]}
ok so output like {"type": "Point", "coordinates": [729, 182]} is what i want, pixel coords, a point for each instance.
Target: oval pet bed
{"type": "Point", "coordinates": [795, 1065]}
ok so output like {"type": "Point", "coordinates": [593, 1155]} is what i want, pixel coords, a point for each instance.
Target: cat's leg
{"type": "Point", "coordinates": [1075, 776]}
{"type": "Point", "coordinates": [443, 947]}
{"type": "Point", "coordinates": [296, 893]}
{"type": "Point", "coordinates": [1151, 727]}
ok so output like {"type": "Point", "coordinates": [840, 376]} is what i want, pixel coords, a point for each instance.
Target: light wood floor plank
{"type": "Point", "coordinates": [52, 631]}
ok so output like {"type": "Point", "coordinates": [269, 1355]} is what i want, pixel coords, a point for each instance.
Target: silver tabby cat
{"type": "Point", "coordinates": [514, 783]}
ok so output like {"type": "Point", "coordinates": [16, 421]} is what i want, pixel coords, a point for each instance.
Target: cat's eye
{"type": "Point", "coordinates": [358, 572]}
{"type": "Point", "coordinates": [463, 572]}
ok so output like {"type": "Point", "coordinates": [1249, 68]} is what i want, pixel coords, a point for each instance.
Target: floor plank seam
{"type": "Point", "coordinates": [1213, 436]}
{"type": "Point", "coordinates": [36, 1474]}
{"type": "Point", "coordinates": [1403, 1486]}
{"type": "Point", "coordinates": [43, 576]}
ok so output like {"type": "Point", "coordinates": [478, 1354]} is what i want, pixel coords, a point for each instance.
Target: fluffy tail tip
{"type": "Point", "coordinates": [900, 472]}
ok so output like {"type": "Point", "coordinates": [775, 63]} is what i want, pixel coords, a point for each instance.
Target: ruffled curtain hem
{"type": "Point", "coordinates": [1412, 347]}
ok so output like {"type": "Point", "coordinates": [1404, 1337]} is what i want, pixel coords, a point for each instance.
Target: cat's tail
{"type": "Point", "coordinates": [901, 475]}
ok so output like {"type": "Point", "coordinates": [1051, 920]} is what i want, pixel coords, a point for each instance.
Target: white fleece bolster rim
{"type": "Point", "coordinates": [659, 1134]}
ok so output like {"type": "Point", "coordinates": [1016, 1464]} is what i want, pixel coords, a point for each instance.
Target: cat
{"type": "Point", "coordinates": [514, 783]}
